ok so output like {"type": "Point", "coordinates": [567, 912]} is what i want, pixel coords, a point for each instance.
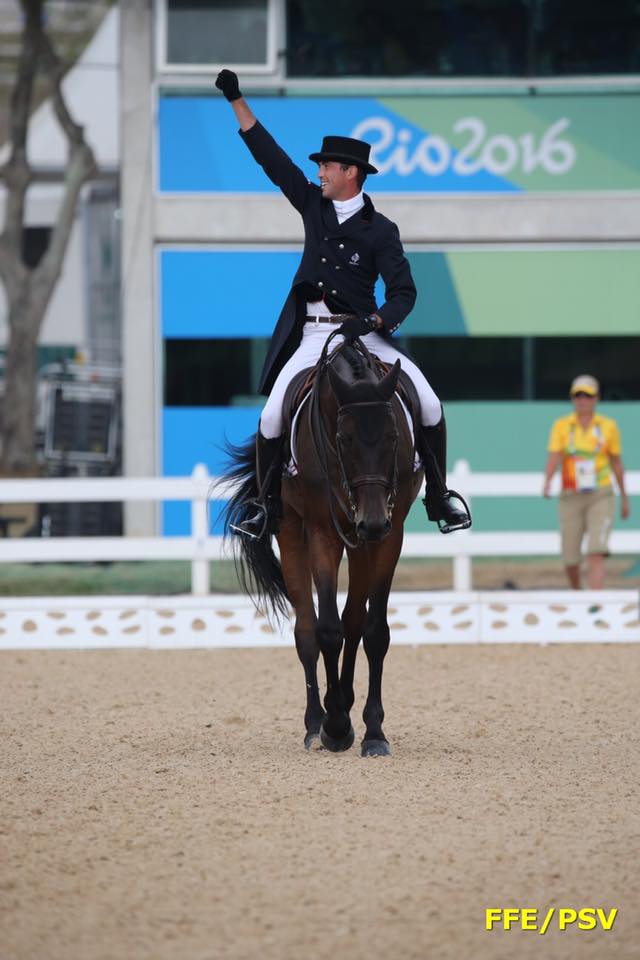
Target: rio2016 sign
{"type": "Point", "coordinates": [500, 154]}
{"type": "Point", "coordinates": [420, 145]}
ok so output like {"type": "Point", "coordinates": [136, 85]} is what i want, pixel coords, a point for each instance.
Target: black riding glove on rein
{"type": "Point", "coordinates": [353, 328]}
{"type": "Point", "coordinates": [227, 81]}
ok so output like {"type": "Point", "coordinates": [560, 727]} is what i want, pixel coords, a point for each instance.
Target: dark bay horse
{"type": "Point", "coordinates": [354, 487]}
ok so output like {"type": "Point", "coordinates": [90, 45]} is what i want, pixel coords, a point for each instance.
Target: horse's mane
{"type": "Point", "coordinates": [355, 366]}
{"type": "Point", "coordinates": [355, 360]}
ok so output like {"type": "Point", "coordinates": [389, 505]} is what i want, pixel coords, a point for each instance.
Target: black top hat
{"type": "Point", "coordinates": [345, 150]}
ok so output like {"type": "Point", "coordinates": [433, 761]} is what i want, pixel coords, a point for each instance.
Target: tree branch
{"type": "Point", "coordinates": [17, 173]}
{"type": "Point", "coordinates": [29, 289]}
{"type": "Point", "coordinates": [80, 168]}
{"type": "Point", "coordinates": [26, 70]}
{"type": "Point", "coordinates": [54, 69]}
{"type": "Point", "coordinates": [38, 49]}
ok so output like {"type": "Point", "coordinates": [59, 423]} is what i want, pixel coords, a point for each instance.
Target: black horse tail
{"type": "Point", "coordinates": [257, 566]}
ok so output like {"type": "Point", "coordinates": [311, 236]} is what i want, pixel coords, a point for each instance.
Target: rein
{"type": "Point", "coordinates": [322, 443]}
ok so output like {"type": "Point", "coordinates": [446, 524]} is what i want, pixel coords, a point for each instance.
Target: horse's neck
{"type": "Point", "coordinates": [328, 406]}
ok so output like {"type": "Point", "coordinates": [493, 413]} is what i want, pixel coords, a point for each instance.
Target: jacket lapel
{"type": "Point", "coordinates": [362, 218]}
{"type": "Point", "coordinates": [329, 218]}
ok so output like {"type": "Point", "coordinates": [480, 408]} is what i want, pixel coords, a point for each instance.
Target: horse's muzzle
{"type": "Point", "coordinates": [373, 531]}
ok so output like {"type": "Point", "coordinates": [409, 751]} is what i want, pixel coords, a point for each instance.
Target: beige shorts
{"type": "Point", "coordinates": [590, 513]}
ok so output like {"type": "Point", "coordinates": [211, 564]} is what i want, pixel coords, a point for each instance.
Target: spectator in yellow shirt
{"type": "Point", "coordinates": [587, 446]}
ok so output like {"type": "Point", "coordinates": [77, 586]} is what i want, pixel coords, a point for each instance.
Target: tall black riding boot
{"type": "Point", "coordinates": [445, 507]}
{"type": "Point", "coordinates": [264, 513]}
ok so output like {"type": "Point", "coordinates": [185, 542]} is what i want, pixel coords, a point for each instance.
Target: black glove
{"type": "Point", "coordinates": [227, 81]}
{"type": "Point", "coordinates": [355, 327]}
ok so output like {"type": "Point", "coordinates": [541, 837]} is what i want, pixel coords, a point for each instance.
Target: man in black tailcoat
{"type": "Point", "coordinates": [348, 244]}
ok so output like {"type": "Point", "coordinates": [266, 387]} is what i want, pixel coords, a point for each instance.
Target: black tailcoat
{"type": "Point", "coordinates": [340, 262]}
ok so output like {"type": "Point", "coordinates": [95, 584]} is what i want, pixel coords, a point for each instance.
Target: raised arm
{"type": "Point", "coordinates": [228, 82]}
{"type": "Point", "coordinates": [277, 165]}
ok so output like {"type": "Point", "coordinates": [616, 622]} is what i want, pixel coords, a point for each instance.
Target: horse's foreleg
{"type": "Point", "coordinates": [297, 576]}
{"type": "Point", "coordinates": [376, 637]}
{"type": "Point", "coordinates": [336, 732]}
{"type": "Point", "coordinates": [308, 653]}
{"type": "Point", "coordinates": [353, 620]}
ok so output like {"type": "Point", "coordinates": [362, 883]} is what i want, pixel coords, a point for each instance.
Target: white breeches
{"type": "Point", "coordinates": [307, 355]}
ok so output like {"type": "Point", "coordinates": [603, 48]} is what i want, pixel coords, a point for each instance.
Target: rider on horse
{"type": "Point", "coordinates": [348, 244]}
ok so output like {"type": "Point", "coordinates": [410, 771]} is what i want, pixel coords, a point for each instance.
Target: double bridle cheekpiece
{"type": "Point", "coordinates": [378, 408]}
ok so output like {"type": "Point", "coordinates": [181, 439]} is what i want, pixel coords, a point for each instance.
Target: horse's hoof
{"type": "Point", "coordinates": [312, 742]}
{"type": "Point", "coordinates": [375, 748]}
{"type": "Point", "coordinates": [337, 746]}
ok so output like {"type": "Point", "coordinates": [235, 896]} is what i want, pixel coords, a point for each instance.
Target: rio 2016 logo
{"type": "Point", "coordinates": [499, 154]}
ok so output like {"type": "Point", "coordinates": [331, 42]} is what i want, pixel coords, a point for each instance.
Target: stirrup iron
{"type": "Point", "coordinates": [261, 517]}
{"type": "Point", "coordinates": [458, 503]}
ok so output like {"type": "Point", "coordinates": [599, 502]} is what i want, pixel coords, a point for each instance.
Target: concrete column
{"type": "Point", "coordinates": [139, 340]}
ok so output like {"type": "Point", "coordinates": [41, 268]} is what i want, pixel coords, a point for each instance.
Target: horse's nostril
{"type": "Point", "coordinates": [373, 531]}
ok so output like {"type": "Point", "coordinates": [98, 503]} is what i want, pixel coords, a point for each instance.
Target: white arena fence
{"type": "Point", "coordinates": [200, 620]}
{"type": "Point", "coordinates": [200, 548]}
{"type": "Point", "coordinates": [415, 618]}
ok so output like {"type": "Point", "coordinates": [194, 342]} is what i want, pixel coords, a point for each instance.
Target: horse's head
{"type": "Point", "coordinates": [366, 443]}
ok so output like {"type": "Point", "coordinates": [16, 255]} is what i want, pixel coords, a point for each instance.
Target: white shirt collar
{"type": "Point", "coordinates": [346, 208]}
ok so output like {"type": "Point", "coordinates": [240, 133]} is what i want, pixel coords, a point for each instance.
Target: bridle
{"type": "Point", "coordinates": [378, 406]}
{"type": "Point", "coordinates": [322, 444]}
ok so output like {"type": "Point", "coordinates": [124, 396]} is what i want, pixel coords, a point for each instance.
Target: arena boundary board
{"type": "Point", "coordinates": [231, 620]}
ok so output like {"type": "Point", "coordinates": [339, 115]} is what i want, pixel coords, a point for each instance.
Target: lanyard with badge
{"type": "Point", "coordinates": [585, 466]}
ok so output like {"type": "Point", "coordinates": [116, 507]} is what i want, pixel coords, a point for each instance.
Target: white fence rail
{"type": "Point", "coordinates": [200, 547]}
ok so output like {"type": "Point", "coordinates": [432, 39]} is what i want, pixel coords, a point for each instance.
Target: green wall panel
{"type": "Point", "coordinates": [527, 292]}
{"type": "Point", "coordinates": [513, 437]}
{"type": "Point", "coordinates": [544, 143]}
{"type": "Point", "coordinates": [438, 310]}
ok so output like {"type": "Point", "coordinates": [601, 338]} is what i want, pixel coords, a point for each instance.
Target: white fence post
{"type": "Point", "coordinates": [199, 531]}
{"type": "Point", "coordinates": [462, 563]}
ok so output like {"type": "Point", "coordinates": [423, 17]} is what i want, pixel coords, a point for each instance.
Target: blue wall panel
{"type": "Point", "coordinates": [192, 435]}
{"type": "Point", "coordinates": [200, 150]}
{"type": "Point", "coordinates": [221, 293]}
{"type": "Point", "coordinates": [226, 293]}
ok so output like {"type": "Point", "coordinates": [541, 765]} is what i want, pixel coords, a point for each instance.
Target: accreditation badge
{"type": "Point", "coordinates": [585, 475]}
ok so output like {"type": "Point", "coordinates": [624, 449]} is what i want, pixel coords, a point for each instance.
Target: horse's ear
{"type": "Point", "coordinates": [339, 386]}
{"type": "Point", "coordinates": [388, 384]}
